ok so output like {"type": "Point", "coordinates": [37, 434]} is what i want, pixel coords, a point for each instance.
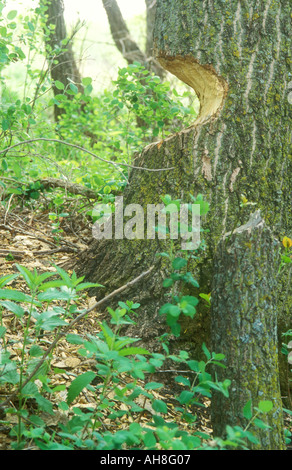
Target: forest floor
{"type": "Point", "coordinates": [26, 239]}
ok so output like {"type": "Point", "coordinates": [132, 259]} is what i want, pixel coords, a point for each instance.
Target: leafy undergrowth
{"type": "Point", "coordinates": [95, 390]}
{"type": "Point", "coordinates": [29, 243]}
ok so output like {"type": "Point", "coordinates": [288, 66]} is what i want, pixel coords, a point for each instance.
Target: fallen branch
{"type": "Point", "coordinates": [69, 327]}
{"type": "Point", "coordinates": [62, 249]}
{"type": "Point", "coordinates": [73, 188]}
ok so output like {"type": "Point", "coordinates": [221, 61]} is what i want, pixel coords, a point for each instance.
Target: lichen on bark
{"type": "Point", "coordinates": [240, 146]}
{"type": "Point", "coordinates": [244, 328]}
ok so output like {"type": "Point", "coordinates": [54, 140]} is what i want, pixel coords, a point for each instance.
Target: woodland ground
{"type": "Point", "coordinates": [26, 239]}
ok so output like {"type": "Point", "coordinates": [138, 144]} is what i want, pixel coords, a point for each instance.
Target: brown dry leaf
{"type": "Point", "coordinates": [67, 363]}
{"type": "Point", "coordinates": [72, 362]}
{"type": "Point", "coordinates": [55, 419]}
{"type": "Point", "coordinates": [59, 364]}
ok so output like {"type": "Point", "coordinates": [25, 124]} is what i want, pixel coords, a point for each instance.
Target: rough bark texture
{"type": "Point", "coordinates": [150, 21]}
{"type": "Point", "coordinates": [66, 67]}
{"type": "Point", "coordinates": [244, 328]}
{"type": "Point", "coordinates": [236, 56]}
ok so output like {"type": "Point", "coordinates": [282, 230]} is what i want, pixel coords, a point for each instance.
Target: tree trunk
{"type": "Point", "coordinates": [62, 63]}
{"type": "Point", "coordinates": [124, 41]}
{"type": "Point", "coordinates": [244, 328]}
{"type": "Point", "coordinates": [150, 22]}
{"type": "Point", "coordinates": [235, 55]}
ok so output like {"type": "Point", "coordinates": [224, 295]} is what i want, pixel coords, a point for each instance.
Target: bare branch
{"type": "Point", "coordinates": [63, 142]}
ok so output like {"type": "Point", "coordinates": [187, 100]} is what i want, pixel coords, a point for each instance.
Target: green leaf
{"type": "Point", "coordinates": [48, 321]}
{"type": "Point", "coordinates": [286, 259]}
{"type": "Point", "coordinates": [31, 26]}
{"type": "Point", "coordinates": [206, 351]}
{"type": "Point", "coordinates": [261, 424]}
{"type": "Point", "coordinates": [218, 356]}
{"type": "Point", "coordinates": [185, 397]}
{"type": "Point", "coordinates": [65, 276]}
{"type": "Point", "coordinates": [73, 88]}
{"type": "Point", "coordinates": [2, 331]}
{"type": "Point", "coordinates": [44, 404]}
{"type": "Point", "coordinates": [159, 406]}
{"type": "Point", "coordinates": [59, 85]}
{"type": "Point", "coordinates": [206, 297]}
{"type": "Point", "coordinates": [4, 164]}
{"type": "Point", "coordinates": [14, 308]}
{"type": "Point", "coordinates": [74, 339]}
{"type": "Point", "coordinates": [149, 439]}
{"type": "Point", "coordinates": [87, 285]}
{"type": "Point", "coordinates": [9, 374]}
{"type": "Point", "coordinates": [163, 254]}
{"type": "Point", "coordinates": [35, 351]}
{"type": "Point", "coordinates": [78, 385]}
{"type": "Point", "coordinates": [179, 263]}
{"type": "Point", "coordinates": [5, 124]}
{"type": "Point", "coordinates": [133, 351]}
{"type": "Point", "coordinates": [53, 294]}
{"type": "Point", "coordinates": [169, 309]}
{"type": "Point", "coordinates": [6, 279]}
{"type": "Point", "coordinates": [48, 285]}
{"type": "Point", "coordinates": [88, 90]}
{"type": "Point", "coordinates": [14, 295]}
{"type": "Point", "coordinates": [183, 380]}
{"type": "Point", "coordinates": [27, 275]}
{"type": "Point", "coordinates": [168, 282]}
{"type": "Point", "coordinates": [86, 81]}
{"type": "Point", "coordinates": [265, 406]}
{"type": "Point", "coordinates": [153, 386]}
{"type": "Point", "coordinates": [247, 410]}
{"type": "Point", "coordinates": [12, 14]}
{"type": "Point", "coordinates": [165, 309]}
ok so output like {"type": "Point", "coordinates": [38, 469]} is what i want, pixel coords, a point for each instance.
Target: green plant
{"type": "Point", "coordinates": [286, 257]}
{"type": "Point", "coordinates": [120, 379]}
{"type": "Point", "coordinates": [150, 100]}
{"type": "Point", "coordinates": [180, 274]}
{"type": "Point", "coordinates": [120, 375]}
{"type": "Point", "coordinates": [57, 217]}
{"type": "Point", "coordinates": [34, 313]}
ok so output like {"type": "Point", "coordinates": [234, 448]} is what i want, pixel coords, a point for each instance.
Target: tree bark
{"type": "Point", "coordinates": [235, 55]}
{"type": "Point", "coordinates": [244, 328]}
{"type": "Point", "coordinates": [62, 64]}
{"type": "Point", "coordinates": [121, 34]}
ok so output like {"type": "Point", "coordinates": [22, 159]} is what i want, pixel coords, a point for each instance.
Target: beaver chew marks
{"type": "Point", "coordinates": [208, 86]}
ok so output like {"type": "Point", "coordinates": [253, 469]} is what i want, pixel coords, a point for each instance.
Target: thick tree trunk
{"type": "Point", "coordinates": [62, 64]}
{"type": "Point", "coordinates": [235, 55]}
{"type": "Point", "coordinates": [244, 328]}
